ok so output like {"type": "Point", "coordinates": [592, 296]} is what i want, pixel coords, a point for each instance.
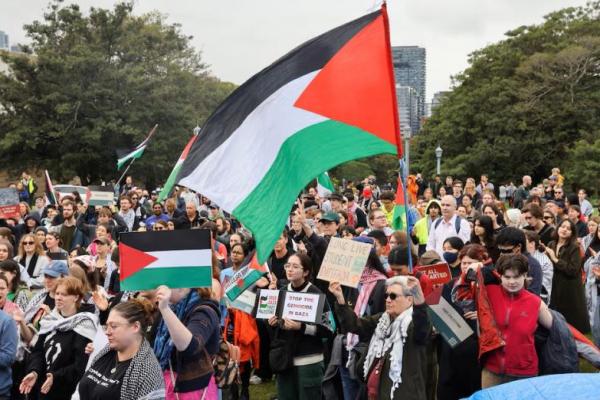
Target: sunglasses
{"type": "Point", "coordinates": [28, 243]}
{"type": "Point", "coordinates": [548, 217]}
{"type": "Point", "coordinates": [393, 296]}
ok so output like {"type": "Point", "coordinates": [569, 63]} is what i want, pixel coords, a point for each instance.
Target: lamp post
{"type": "Point", "coordinates": [438, 156]}
{"type": "Point", "coordinates": [196, 130]}
{"type": "Point", "coordinates": [406, 135]}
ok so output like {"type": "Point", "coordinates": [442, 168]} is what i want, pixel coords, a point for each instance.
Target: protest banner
{"type": "Point", "coordinates": [100, 195]}
{"type": "Point", "coordinates": [449, 323]}
{"type": "Point", "coordinates": [177, 259]}
{"type": "Point", "coordinates": [439, 274]}
{"type": "Point", "coordinates": [268, 301]}
{"type": "Point", "coordinates": [344, 261]}
{"type": "Point", "coordinates": [9, 203]}
{"type": "Point", "coordinates": [297, 306]}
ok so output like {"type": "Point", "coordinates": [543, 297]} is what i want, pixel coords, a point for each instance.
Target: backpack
{"type": "Point", "coordinates": [457, 222]}
{"type": "Point", "coordinates": [226, 362]}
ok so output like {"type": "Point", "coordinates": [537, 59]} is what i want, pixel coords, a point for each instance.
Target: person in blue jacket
{"type": "Point", "coordinates": [8, 352]}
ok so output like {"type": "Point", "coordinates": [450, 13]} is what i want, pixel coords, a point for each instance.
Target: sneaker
{"type": "Point", "coordinates": [255, 380]}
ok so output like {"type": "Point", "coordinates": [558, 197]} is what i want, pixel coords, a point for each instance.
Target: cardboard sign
{"type": "Point", "coordinates": [449, 323]}
{"type": "Point", "coordinates": [267, 303]}
{"type": "Point", "coordinates": [297, 306]}
{"type": "Point", "coordinates": [9, 203]}
{"type": "Point", "coordinates": [100, 195]}
{"type": "Point", "coordinates": [344, 261]}
{"type": "Point", "coordinates": [439, 274]}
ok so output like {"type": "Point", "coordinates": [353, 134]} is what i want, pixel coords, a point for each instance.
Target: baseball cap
{"type": "Point", "coordinates": [336, 196]}
{"type": "Point", "coordinates": [56, 268]}
{"type": "Point", "coordinates": [331, 217]}
{"type": "Point", "coordinates": [102, 241]}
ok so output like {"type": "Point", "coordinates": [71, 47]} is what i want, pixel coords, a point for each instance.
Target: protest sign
{"type": "Point", "coordinates": [344, 261]}
{"type": "Point", "coordinates": [304, 307]}
{"type": "Point", "coordinates": [100, 195]}
{"type": "Point", "coordinates": [245, 302]}
{"type": "Point", "coordinates": [9, 203]}
{"type": "Point", "coordinates": [268, 301]}
{"type": "Point", "coordinates": [297, 306]}
{"type": "Point", "coordinates": [244, 278]}
{"type": "Point", "coordinates": [446, 320]}
{"type": "Point", "coordinates": [439, 274]}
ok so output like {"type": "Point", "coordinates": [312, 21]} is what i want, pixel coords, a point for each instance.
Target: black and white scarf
{"type": "Point", "coordinates": [83, 323]}
{"type": "Point", "coordinates": [143, 379]}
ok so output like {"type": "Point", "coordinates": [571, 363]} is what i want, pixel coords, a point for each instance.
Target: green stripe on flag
{"type": "Point", "coordinates": [134, 154]}
{"type": "Point", "coordinates": [236, 289]}
{"type": "Point", "coordinates": [177, 277]}
{"type": "Point", "coordinates": [294, 167]}
{"type": "Point", "coordinates": [399, 218]}
{"type": "Point", "coordinates": [164, 193]}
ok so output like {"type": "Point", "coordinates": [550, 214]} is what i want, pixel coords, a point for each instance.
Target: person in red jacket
{"type": "Point", "coordinates": [517, 314]}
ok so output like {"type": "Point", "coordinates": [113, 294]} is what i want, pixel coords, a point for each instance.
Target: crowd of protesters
{"type": "Point", "coordinates": [523, 260]}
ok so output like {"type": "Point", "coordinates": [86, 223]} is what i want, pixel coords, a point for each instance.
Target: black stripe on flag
{"type": "Point", "coordinates": [181, 239]}
{"type": "Point", "coordinates": [306, 58]}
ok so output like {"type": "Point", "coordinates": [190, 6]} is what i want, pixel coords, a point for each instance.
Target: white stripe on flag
{"type": "Point", "coordinates": [181, 258]}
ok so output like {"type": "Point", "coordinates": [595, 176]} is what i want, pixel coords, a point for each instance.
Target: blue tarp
{"type": "Point", "coordinates": [549, 387]}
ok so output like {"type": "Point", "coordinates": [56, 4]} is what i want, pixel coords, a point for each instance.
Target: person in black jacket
{"type": "Point", "coordinates": [58, 358]}
{"type": "Point", "coordinates": [303, 379]}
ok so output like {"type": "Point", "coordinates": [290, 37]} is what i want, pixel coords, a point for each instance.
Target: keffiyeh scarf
{"type": "Point", "coordinates": [83, 323]}
{"type": "Point", "coordinates": [389, 334]}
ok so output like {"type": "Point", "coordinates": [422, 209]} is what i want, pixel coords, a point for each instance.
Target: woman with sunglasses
{"type": "Point", "coordinates": [568, 295]}
{"type": "Point", "coordinates": [32, 257]}
{"type": "Point", "coordinates": [395, 361]}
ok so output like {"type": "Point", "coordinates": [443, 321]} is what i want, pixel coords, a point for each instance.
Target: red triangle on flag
{"type": "Point", "coordinates": [356, 86]}
{"type": "Point", "coordinates": [132, 260]}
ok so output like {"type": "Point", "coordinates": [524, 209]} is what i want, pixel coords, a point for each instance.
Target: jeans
{"type": "Point", "coordinates": [350, 386]}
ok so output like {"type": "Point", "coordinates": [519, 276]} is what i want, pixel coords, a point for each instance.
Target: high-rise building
{"type": "Point", "coordinates": [437, 99]}
{"type": "Point", "coordinates": [4, 41]}
{"type": "Point", "coordinates": [408, 109]}
{"type": "Point", "coordinates": [409, 70]}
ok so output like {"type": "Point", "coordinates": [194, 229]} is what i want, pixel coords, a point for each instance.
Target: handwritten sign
{"type": "Point", "coordinates": [439, 274]}
{"type": "Point", "coordinates": [305, 307]}
{"type": "Point", "coordinates": [297, 306]}
{"type": "Point", "coordinates": [344, 261]}
{"type": "Point", "coordinates": [268, 301]}
{"type": "Point", "coordinates": [9, 203]}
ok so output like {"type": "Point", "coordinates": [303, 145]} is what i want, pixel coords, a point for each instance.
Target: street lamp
{"type": "Point", "coordinates": [438, 156]}
{"type": "Point", "coordinates": [196, 130]}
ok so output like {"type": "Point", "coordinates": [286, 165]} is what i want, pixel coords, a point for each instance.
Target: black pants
{"type": "Point", "coordinates": [264, 372]}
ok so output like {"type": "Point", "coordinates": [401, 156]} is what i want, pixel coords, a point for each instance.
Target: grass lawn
{"type": "Point", "coordinates": [264, 391]}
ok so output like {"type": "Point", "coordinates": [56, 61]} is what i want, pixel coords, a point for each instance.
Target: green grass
{"type": "Point", "coordinates": [264, 391]}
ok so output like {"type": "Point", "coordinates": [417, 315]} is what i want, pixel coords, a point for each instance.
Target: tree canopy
{"type": "Point", "coordinates": [90, 84]}
{"type": "Point", "coordinates": [524, 105]}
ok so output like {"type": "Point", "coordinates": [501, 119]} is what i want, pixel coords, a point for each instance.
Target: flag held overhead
{"type": "Point", "coordinates": [328, 101]}
{"type": "Point", "coordinates": [178, 259]}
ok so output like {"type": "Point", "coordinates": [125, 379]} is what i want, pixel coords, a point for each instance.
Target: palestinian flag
{"type": "Point", "coordinates": [324, 185]}
{"type": "Point", "coordinates": [50, 196]}
{"type": "Point", "coordinates": [168, 187]}
{"type": "Point", "coordinates": [178, 259]}
{"type": "Point", "coordinates": [328, 101]}
{"type": "Point", "coordinates": [399, 217]}
{"type": "Point", "coordinates": [137, 152]}
{"type": "Point", "coordinates": [245, 277]}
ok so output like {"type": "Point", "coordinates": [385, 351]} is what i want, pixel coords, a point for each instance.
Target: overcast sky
{"type": "Point", "coordinates": [239, 37]}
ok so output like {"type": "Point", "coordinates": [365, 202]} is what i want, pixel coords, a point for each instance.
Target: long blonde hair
{"type": "Point", "coordinates": [39, 250]}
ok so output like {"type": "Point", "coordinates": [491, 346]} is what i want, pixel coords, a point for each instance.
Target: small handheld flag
{"type": "Point", "coordinates": [178, 259]}
{"type": "Point", "coordinates": [137, 152]}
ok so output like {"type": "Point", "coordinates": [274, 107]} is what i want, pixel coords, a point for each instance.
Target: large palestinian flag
{"type": "Point", "coordinates": [178, 259]}
{"type": "Point", "coordinates": [326, 102]}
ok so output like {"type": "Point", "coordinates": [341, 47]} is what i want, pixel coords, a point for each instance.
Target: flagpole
{"type": "Point", "coordinates": [147, 140]}
{"type": "Point", "coordinates": [399, 138]}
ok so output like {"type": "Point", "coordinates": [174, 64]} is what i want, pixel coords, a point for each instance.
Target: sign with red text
{"type": "Point", "coordinates": [9, 203]}
{"type": "Point", "coordinates": [344, 261]}
{"type": "Point", "coordinates": [438, 274]}
{"type": "Point", "coordinates": [297, 306]}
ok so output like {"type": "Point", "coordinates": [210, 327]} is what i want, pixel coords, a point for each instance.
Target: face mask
{"type": "Point", "coordinates": [450, 257]}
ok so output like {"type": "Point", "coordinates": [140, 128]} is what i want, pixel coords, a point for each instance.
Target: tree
{"type": "Point", "coordinates": [522, 103]}
{"type": "Point", "coordinates": [89, 85]}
